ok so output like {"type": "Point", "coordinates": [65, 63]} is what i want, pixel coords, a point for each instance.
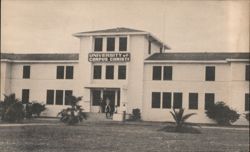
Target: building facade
{"type": "Point", "coordinates": [132, 68]}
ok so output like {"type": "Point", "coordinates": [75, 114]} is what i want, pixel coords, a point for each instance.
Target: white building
{"type": "Point", "coordinates": [130, 67]}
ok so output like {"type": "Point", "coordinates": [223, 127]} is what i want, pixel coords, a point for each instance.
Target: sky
{"type": "Point", "coordinates": [46, 26]}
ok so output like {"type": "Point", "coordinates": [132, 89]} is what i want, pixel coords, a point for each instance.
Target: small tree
{"type": "Point", "coordinates": [34, 108]}
{"type": "Point", "coordinates": [222, 114]}
{"type": "Point", "coordinates": [11, 109]}
{"type": "Point", "coordinates": [136, 114]}
{"type": "Point", "coordinates": [73, 114]}
{"type": "Point", "coordinates": [180, 118]}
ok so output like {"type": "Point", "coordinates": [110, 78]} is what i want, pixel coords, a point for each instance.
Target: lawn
{"type": "Point", "coordinates": [117, 137]}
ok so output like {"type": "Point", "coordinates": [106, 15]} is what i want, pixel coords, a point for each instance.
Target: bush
{"type": "Point", "coordinates": [73, 114]}
{"type": "Point", "coordinates": [11, 109]}
{"type": "Point", "coordinates": [222, 114]}
{"type": "Point", "coordinates": [136, 114]}
{"type": "Point", "coordinates": [247, 116]}
{"type": "Point", "coordinates": [34, 108]}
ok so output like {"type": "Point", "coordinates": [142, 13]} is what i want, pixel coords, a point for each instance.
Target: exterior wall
{"type": "Point", "coordinates": [188, 78]}
{"type": "Point", "coordinates": [5, 79]}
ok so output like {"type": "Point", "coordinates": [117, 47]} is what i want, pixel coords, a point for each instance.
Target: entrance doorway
{"type": "Point", "coordinates": [100, 97]}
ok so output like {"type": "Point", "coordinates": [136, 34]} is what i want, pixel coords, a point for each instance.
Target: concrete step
{"type": "Point", "coordinates": [95, 117]}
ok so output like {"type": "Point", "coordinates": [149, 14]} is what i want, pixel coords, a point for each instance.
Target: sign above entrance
{"type": "Point", "coordinates": [109, 57]}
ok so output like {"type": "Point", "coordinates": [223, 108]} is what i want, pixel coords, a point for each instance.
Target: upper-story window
{"type": "Point", "coordinates": [109, 72]}
{"type": "Point", "coordinates": [123, 44]}
{"type": "Point", "coordinates": [149, 47]}
{"type": "Point", "coordinates": [247, 73]}
{"type": "Point", "coordinates": [97, 73]}
{"type": "Point", "coordinates": [156, 72]}
{"type": "Point", "coordinates": [110, 44]}
{"type": "Point", "coordinates": [121, 72]}
{"type": "Point", "coordinates": [26, 72]}
{"type": "Point", "coordinates": [61, 74]}
{"type": "Point", "coordinates": [210, 73]}
{"type": "Point", "coordinates": [167, 73]}
{"type": "Point", "coordinates": [98, 44]}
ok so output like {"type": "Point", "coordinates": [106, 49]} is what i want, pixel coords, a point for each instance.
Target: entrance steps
{"type": "Point", "coordinates": [96, 117]}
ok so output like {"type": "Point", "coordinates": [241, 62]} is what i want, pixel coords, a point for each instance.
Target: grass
{"type": "Point", "coordinates": [118, 137]}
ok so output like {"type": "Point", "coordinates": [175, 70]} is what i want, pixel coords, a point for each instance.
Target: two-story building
{"type": "Point", "coordinates": [130, 67]}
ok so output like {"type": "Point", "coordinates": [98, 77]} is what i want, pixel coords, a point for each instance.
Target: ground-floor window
{"type": "Point", "coordinates": [247, 101]}
{"type": "Point", "coordinates": [96, 97]}
{"type": "Point", "coordinates": [209, 100]}
{"type": "Point", "coordinates": [156, 99]}
{"type": "Point", "coordinates": [25, 95]}
{"type": "Point", "coordinates": [166, 100]}
{"type": "Point", "coordinates": [58, 97]}
{"type": "Point", "coordinates": [177, 100]}
{"type": "Point", "coordinates": [193, 100]}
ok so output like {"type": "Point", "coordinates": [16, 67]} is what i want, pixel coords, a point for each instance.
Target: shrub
{"type": "Point", "coordinates": [247, 116]}
{"type": "Point", "coordinates": [180, 118]}
{"type": "Point", "coordinates": [73, 114]}
{"type": "Point", "coordinates": [136, 114]}
{"type": "Point", "coordinates": [222, 114]}
{"type": "Point", "coordinates": [34, 108]}
{"type": "Point", "coordinates": [11, 109]}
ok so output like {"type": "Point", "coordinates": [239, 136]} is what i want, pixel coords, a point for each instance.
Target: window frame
{"type": "Point", "coordinates": [167, 73]}
{"type": "Point", "coordinates": [107, 76]}
{"type": "Point", "coordinates": [155, 70]}
{"type": "Point", "coordinates": [177, 104]}
{"type": "Point", "coordinates": [156, 104]}
{"type": "Point", "coordinates": [59, 99]}
{"type": "Point", "coordinates": [52, 93]}
{"type": "Point", "coordinates": [69, 72]}
{"type": "Point", "coordinates": [96, 47]}
{"type": "Point", "coordinates": [210, 73]}
{"type": "Point", "coordinates": [25, 96]}
{"type": "Point", "coordinates": [167, 104]}
{"type": "Point", "coordinates": [97, 74]}
{"type": "Point", "coordinates": [26, 72]}
{"type": "Point", "coordinates": [123, 47]}
{"type": "Point", "coordinates": [207, 101]}
{"type": "Point", "coordinates": [193, 99]}
{"type": "Point", "coordinates": [60, 70]}
{"type": "Point", "coordinates": [110, 44]}
{"type": "Point", "coordinates": [122, 72]}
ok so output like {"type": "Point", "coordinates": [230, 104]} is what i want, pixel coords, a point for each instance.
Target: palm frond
{"type": "Point", "coordinates": [185, 117]}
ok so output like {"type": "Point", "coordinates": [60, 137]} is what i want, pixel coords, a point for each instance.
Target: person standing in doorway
{"type": "Point", "coordinates": [107, 108]}
{"type": "Point", "coordinates": [124, 109]}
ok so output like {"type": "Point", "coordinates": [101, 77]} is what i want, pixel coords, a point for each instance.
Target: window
{"type": "Point", "coordinates": [166, 100]}
{"type": "Point", "coordinates": [59, 97]}
{"type": "Point", "coordinates": [109, 72]}
{"type": "Point", "coordinates": [96, 97]}
{"type": "Point", "coordinates": [247, 72]}
{"type": "Point", "coordinates": [60, 72]}
{"type": "Point", "coordinates": [50, 97]}
{"type": "Point", "coordinates": [178, 100]}
{"type": "Point", "coordinates": [121, 72]}
{"type": "Point", "coordinates": [123, 44]}
{"type": "Point", "coordinates": [210, 73]}
{"type": "Point", "coordinates": [156, 72]}
{"type": "Point", "coordinates": [193, 100]}
{"type": "Point", "coordinates": [98, 44]}
{"type": "Point", "coordinates": [110, 44]}
{"type": "Point", "coordinates": [156, 99]}
{"type": "Point", "coordinates": [69, 72]}
{"type": "Point", "coordinates": [26, 72]}
{"type": "Point", "coordinates": [247, 101]}
{"type": "Point", "coordinates": [149, 47]}
{"type": "Point", "coordinates": [97, 74]}
{"type": "Point", "coordinates": [25, 96]}
{"type": "Point", "coordinates": [209, 100]}
{"type": "Point", "coordinates": [167, 74]}
{"type": "Point", "coordinates": [68, 94]}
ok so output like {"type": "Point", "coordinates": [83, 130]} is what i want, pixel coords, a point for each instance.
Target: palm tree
{"type": "Point", "coordinates": [73, 114]}
{"type": "Point", "coordinates": [180, 118]}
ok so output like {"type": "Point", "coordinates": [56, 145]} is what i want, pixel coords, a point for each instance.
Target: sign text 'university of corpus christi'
{"type": "Point", "coordinates": [109, 57]}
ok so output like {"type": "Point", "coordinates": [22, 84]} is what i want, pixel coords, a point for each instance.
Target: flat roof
{"type": "Point", "coordinates": [12, 56]}
{"type": "Point", "coordinates": [199, 56]}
